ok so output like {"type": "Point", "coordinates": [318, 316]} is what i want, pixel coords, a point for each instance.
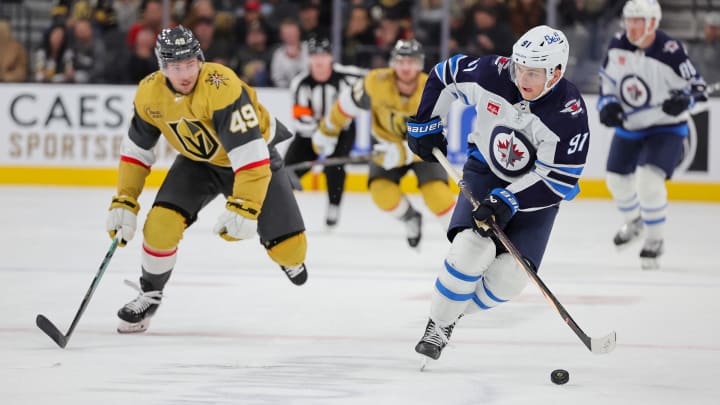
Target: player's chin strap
{"type": "Point", "coordinates": [605, 344]}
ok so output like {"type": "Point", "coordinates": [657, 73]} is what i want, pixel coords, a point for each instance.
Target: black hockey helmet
{"type": "Point", "coordinates": [319, 45]}
{"type": "Point", "coordinates": [408, 48]}
{"type": "Point", "coordinates": [176, 44]}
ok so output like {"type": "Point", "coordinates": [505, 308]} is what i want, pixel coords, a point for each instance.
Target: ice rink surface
{"type": "Point", "coordinates": [233, 330]}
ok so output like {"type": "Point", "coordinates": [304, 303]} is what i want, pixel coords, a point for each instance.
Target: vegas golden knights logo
{"type": "Point", "coordinates": [195, 138]}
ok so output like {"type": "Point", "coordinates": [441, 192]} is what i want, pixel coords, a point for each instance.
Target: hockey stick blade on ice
{"type": "Point", "coordinates": [602, 345]}
{"type": "Point", "coordinates": [50, 329]}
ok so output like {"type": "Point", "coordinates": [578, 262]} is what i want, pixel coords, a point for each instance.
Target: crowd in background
{"type": "Point", "coordinates": [111, 41]}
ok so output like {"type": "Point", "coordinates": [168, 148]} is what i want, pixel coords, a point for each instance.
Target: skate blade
{"type": "Point", "coordinates": [648, 263]}
{"type": "Point", "coordinates": [424, 361]}
{"type": "Point", "coordinates": [127, 327]}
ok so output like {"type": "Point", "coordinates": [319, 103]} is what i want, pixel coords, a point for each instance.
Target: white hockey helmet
{"type": "Point", "coordinates": [647, 9]}
{"type": "Point", "coordinates": [542, 47]}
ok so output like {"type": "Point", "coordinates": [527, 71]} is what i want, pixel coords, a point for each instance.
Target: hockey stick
{"type": "Point", "coordinates": [605, 344]}
{"type": "Point", "coordinates": [50, 329]}
{"type": "Point", "coordinates": [334, 161]}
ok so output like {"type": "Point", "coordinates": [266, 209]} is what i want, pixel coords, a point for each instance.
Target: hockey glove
{"type": "Point", "coordinates": [611, 115]}
{"type": "Point", "coordinates": [678, 102]}
{"type": "Point", "coordinates": [122, 218]}
{"type": "Point", "coordinates": [500, 205]}
{"type": "Point", "coordinates": [323, 144]}
{"type": "Point", "coordinates": [390, 155]}
{"type": "Point", "coordinates": [239, 221]}
{"type": "Point", "coordinates": [423, 136]}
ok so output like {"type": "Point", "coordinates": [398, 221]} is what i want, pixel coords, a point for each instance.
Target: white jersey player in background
{"type": "Point", "coordinates": [647, 86]}
{"type": "Point", "coordinates": [526, 153]}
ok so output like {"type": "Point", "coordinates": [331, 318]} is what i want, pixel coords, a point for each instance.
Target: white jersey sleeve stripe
{"type": "Point", "coordinates": [248, 154]}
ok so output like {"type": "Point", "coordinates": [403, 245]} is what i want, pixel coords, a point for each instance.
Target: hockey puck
{"type": "Point", "coordinates": [560, 376]}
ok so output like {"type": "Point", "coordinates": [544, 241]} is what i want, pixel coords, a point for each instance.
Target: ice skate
{"type": "Point", "coordinates": [629, 232]}
{"type": "Point", "coordinates": [135, 315]}
{"type": "Point", "coordinates": [413, 228]}
{"type": "Point", "coordinates": [433, 342]}
{"type": "Point", "coordinates": [332, 215]}
{"type": "Point", "coordinates": [296, 274]}
{"type": "Point", "coordinates": [650, 253]}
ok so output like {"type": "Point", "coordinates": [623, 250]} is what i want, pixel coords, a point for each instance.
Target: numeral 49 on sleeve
{"type": "Point", "coordinates": [243, 119]}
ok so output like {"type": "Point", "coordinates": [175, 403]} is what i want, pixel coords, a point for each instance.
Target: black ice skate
{"type": "Point", "coordinates": [332, 215]}
{"type": "Point", "coordinates": [135, 315]}
{"type": "Point", "coordinates": [296, 274]}
{"type": "Point", "coordinates": [434, 341]}
{"type": "Point", "coordinates": [650, 253]}
{"type": "Point", "coordinates": [413, 227]}
{"type": "Point", "coordinates": [628, 233]}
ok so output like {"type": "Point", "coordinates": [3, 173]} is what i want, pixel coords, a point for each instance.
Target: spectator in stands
{"type": "Point", "coordinates": [53, 60]}
{"type": "Point", "coordinates": [310, 21]}
{"type": "Point", "coordinates": [253, 63]}
{"type": "Point", "coordinates": [388, 32]}
{"type": "Point", "coordinates": [251, 17]}
{"type": "Point", "coordinates": [706, 54]}
{"type": "Point", "coordinates": [88, 54]}
{"type": "Point", "coordinates": [215, 48]}
{"type": "Point", "coordinates": [127, 13]}
{"type": "Point", "coordinates": [487, 35]}
{"type": "Point", "coordinates": [152, 18]}
{"type": "Point", "coordinates": [359, 38]}
{"type": "Point", "coordinates": [142, 60]}
{"type": "Point", "coordinates": [290, 58]}
{"type": "Point", "coordinates": [13, 56]}
{"type": "Point", "coordinates": [526, 14]}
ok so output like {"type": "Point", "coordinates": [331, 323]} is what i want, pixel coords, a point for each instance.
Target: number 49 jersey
{"type": "Point", "coordinates": [538, 147]}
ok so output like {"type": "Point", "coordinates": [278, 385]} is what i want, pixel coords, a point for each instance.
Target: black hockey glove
{"type": "Point", "coordinates": [611, 115]}
{"type": "Point", "coordinates": [500, 204]}
{"type": "Point", "coordinates": [678, 102]}
{"type": "Point", "coordinates": [423, 136]}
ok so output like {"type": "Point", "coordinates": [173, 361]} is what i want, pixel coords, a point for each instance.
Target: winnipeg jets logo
{"type": "Point", "coordinates": [216, 79]}
{"type": "Point", "coordinates": [573, 107]}
{"type": "Point", "coordinates": [502, 62]}
{"type": "Point", "coordinates": [671, 46]}
{"type": "Point", "coordinates": [634, 91]}
{"type": "Point", "coordinates": [510, 151]}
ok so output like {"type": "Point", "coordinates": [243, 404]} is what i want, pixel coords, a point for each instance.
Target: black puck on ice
{"type": "Point", "coordinates": [560, 376]}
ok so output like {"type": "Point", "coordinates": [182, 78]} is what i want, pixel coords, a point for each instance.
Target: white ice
{"type": "Point", "coordinates": [233, 330]}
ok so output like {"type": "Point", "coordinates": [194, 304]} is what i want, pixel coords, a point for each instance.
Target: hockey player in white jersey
{"type": "Point", "coordinates": [647, 86]}
{"type": "Point", "coordinates": [526, 153]}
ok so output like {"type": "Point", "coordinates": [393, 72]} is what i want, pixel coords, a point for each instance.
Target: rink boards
{"type": "Point", "coordinates": [71, 135]}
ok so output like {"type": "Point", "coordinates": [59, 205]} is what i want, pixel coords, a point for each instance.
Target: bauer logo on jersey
{"type": "Point", "coordinates": [573, 107]}
{"type": "Point", "coordinates": [634, 91]}
{"type": "Point", "coordinates": [510, 151]}
{"type": "Point", "coordinates": [195, 138]}
{"type": "Point", "coordinates": [216, 79]}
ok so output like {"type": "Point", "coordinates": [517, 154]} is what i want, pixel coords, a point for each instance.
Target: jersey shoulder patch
{"type": "Point", "coordinates": [220, 84]}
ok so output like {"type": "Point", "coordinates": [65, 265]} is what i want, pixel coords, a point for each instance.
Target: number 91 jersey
{"type": "Point", "coordinates": [538, 147]}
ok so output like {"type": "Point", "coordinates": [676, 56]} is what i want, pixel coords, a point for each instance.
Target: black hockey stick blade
{"type": "Point", "coordinates": [333, 161]}
{"type": "Point", "coordinates": [605, 344]}
{"type": "Point", "coordinates": [51, 330]}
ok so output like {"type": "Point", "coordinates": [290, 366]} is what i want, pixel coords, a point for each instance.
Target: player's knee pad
{"type": "Point", "coordinates": [466, 261]}
{"type": "Point", "coordinates": [622, 186]}
{"type": "Point", "coordinates": [468, 258]}
{"type": "Point", "coordinates": [163, 228]}
{"type": "Point", "coordinates": [438, 197]}
{"type": "Point", "coordinates": [290, 251]}
{"type": "Point", "coordinates": [503, 281]}
{"type": "Point", "coordinates": [651, 187]}
{"type": "Point", "coordinates": [385, 194]}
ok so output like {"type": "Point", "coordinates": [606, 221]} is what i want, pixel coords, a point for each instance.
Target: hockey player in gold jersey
{"type": "Point", "coordinates": [225, 139]}
{"type": "Point", "coordinates": [392, 95]}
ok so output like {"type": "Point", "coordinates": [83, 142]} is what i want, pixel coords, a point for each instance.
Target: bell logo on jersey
{"type": "Point", "coordinates": [195, 138]}
{"type": "Point", "coordinates": [511, 152]}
